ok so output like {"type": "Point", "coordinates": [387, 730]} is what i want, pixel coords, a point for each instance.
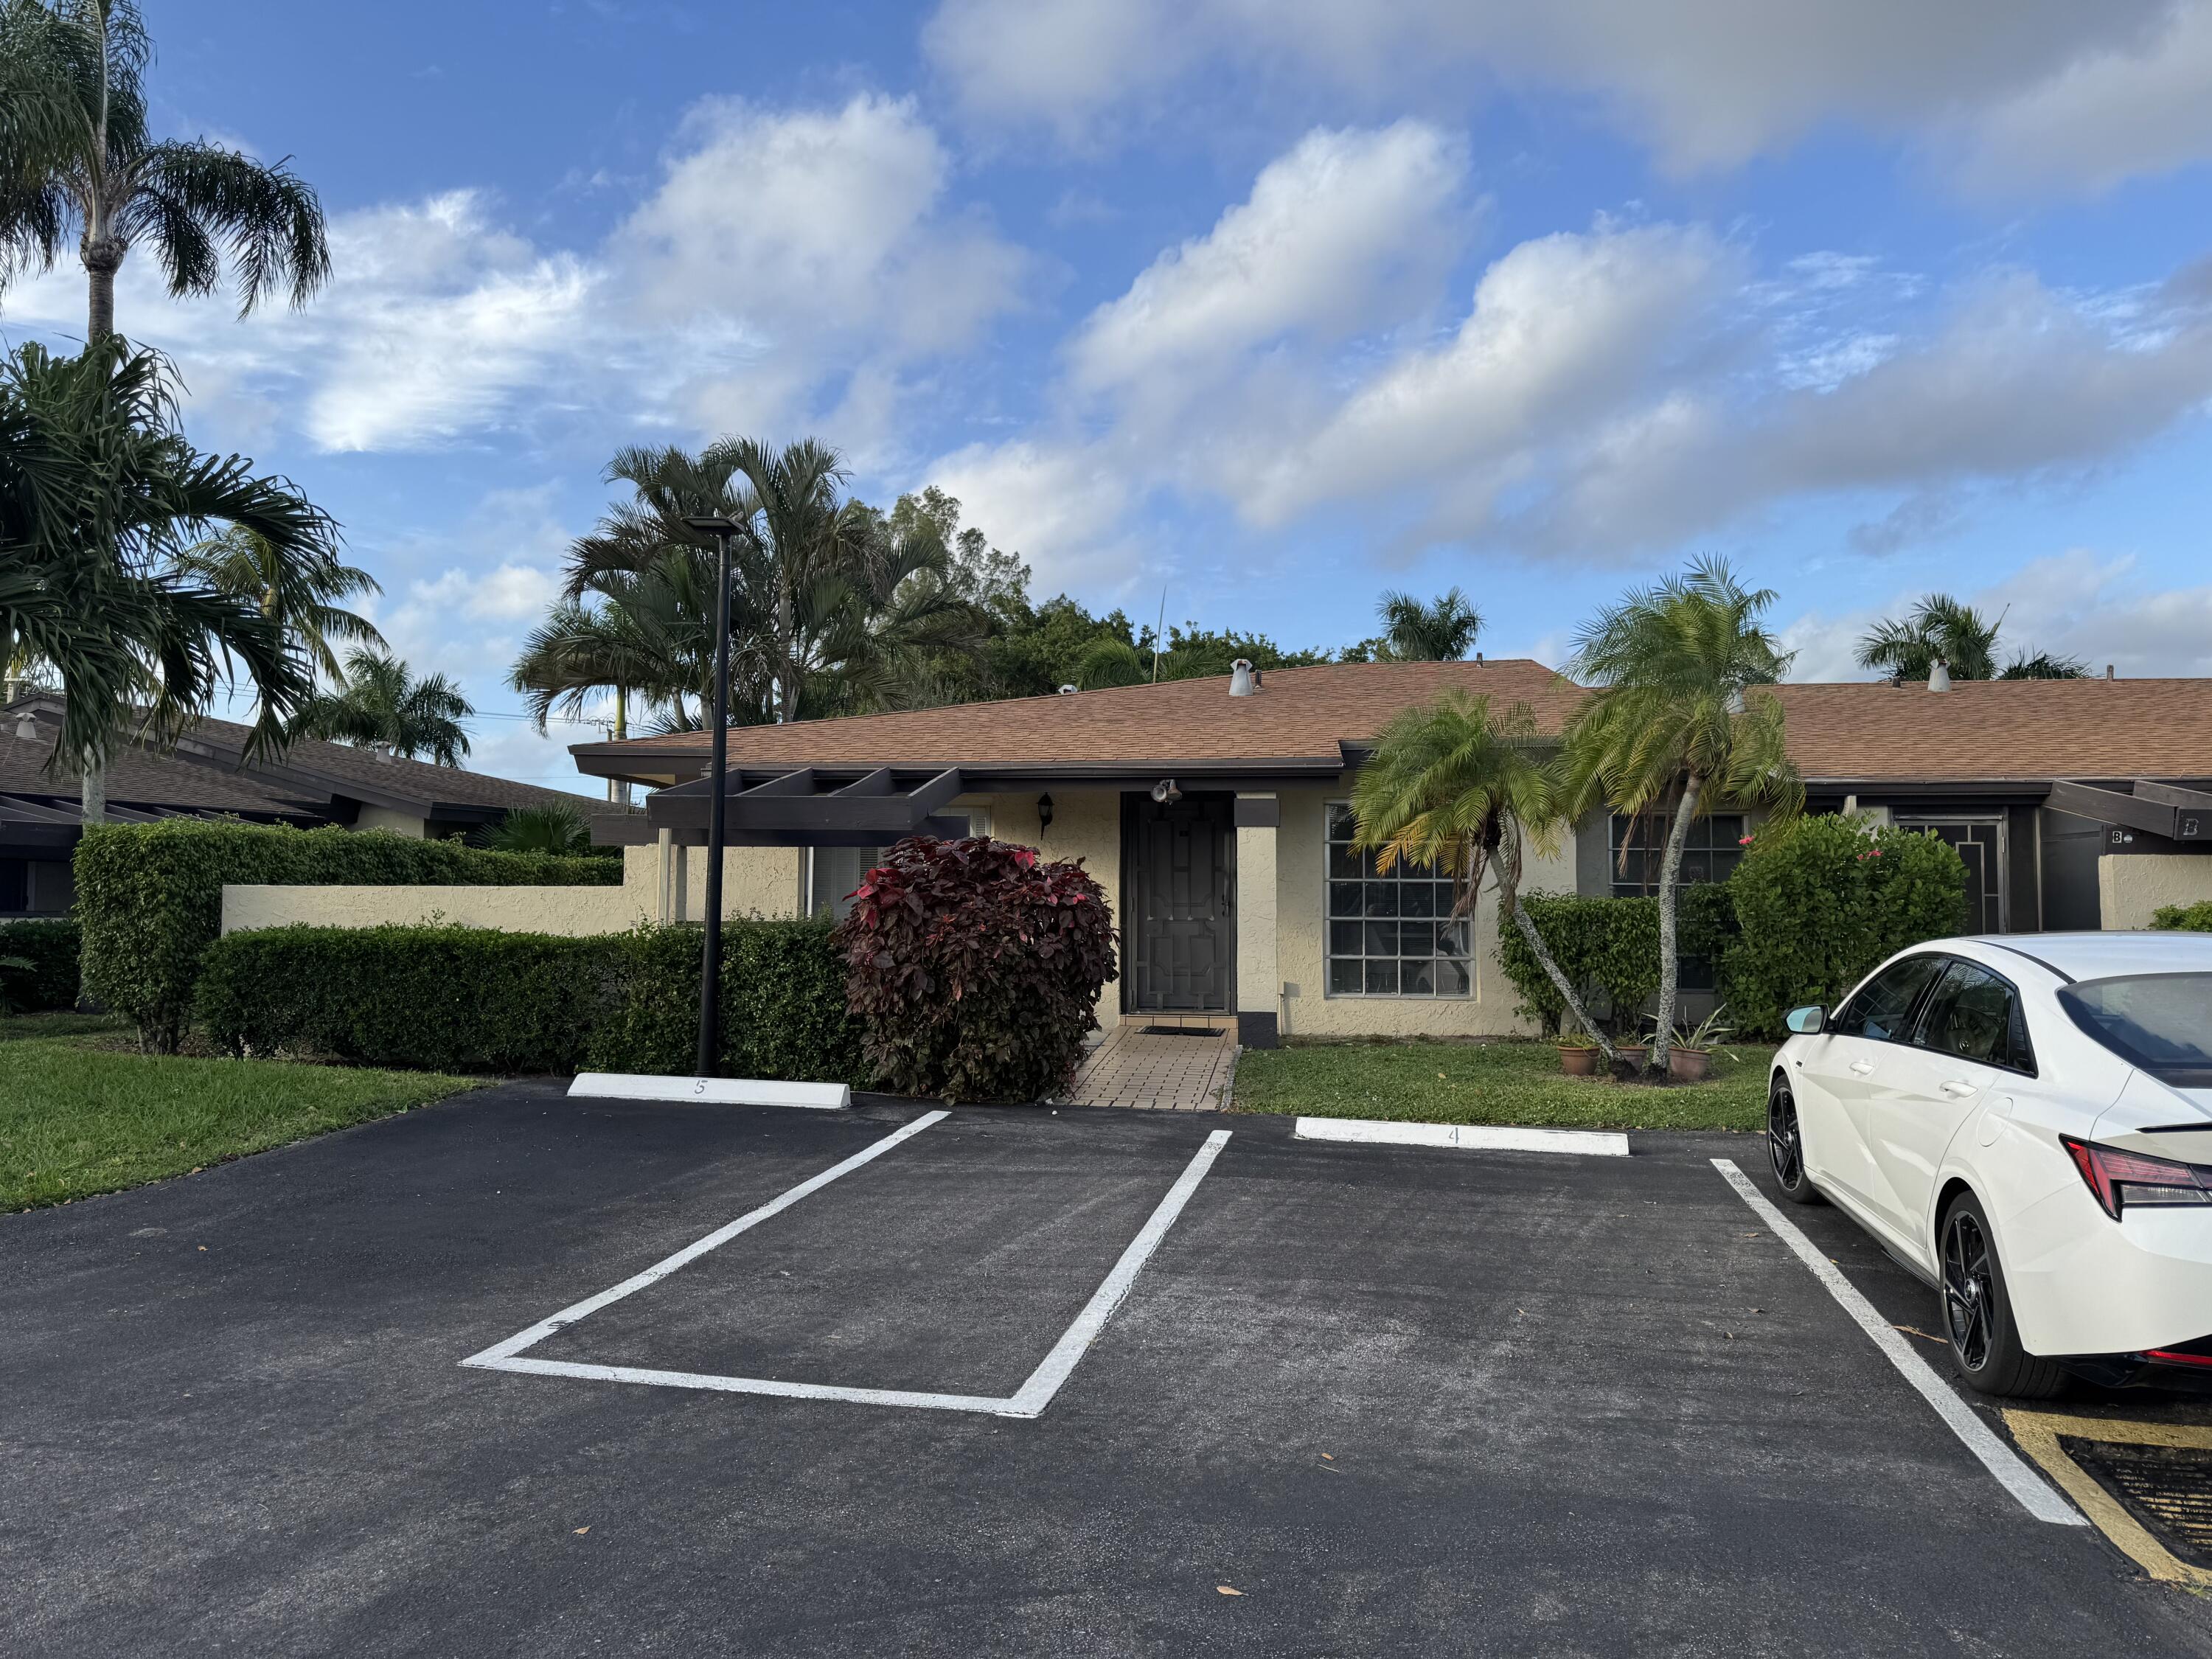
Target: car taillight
{"type": "Point", "coordinates": [2120, 1179]}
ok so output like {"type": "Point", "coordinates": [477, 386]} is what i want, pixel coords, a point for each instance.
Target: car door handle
{"type": "Point", "coordinates": [1957, 1090]}
{"type": "Point", "coordinates": [1863, 1066]}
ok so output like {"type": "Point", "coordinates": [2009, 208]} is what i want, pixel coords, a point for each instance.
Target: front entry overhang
{"type": "Point", "coordinates": [808, 806]}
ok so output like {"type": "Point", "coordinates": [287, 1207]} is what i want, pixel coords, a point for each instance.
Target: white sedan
{"type": "Point", "coordinates": [2024, 1123]}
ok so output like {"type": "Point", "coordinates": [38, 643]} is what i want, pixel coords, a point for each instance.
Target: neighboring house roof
{"type": "Point", "coordinates": [1302, 719]}
{"type": "Point", "coordinates": [2028, 731]}
{"type": "Point", "coordinates": [1299, 714]}
{"type": "Point", "coordinates": [207, 773]}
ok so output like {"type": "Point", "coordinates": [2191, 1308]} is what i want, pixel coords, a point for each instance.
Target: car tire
{"type": "Point", "coordinates": [1977, 1311]}
{"type": "Point", "coordinates": [1785, 1144]}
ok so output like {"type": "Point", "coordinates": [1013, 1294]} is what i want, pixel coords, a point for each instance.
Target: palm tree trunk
{"type": "Point", "coordinates": [99, 318]}
{"type": "Point", "coordinates": [1509, 904]}
{"type": "Point", "coordinates": [91, 797]}
{"type": "Point", "coordinates": [1670, 867]}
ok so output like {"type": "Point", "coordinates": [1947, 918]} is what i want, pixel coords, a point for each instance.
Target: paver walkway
{"type": "Point", "coordinates": [1186, 1071]}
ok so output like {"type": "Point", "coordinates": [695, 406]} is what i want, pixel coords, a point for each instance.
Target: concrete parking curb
{"type": "Point", "coordinates": [1464, 1137]}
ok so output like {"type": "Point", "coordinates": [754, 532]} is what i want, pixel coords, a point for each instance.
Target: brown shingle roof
{"type": "Point", "coordinates": [2001, 729]}
{"type": "Point", "coordinates": [1298, 713]}
{"type": "Point", "coordinates": [1867, 731]}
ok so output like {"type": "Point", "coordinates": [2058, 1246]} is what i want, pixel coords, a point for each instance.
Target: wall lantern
{"type": "Point", "coordinates": [1044, 814]}
{"type": "Point", "coordinates": [1165, 792]}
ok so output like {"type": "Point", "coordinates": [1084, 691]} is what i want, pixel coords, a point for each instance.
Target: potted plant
{"type": "Point", "coordinates": [1578, 1054]}
{"type": "Point", "coordinates": [1690, 1055]}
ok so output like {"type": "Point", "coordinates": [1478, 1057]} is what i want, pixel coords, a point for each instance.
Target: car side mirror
{"type": "Point", "coordinates": [1807, 1021]}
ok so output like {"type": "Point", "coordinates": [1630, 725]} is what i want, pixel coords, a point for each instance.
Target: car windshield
{"type": "Point", "coordinates": [2160, 1022]}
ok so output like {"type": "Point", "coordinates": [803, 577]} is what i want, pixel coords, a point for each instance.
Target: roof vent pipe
{"type": "Point", "coordinates": [1939, 675]}
{"type": "Point", "coordinates": [1243, 682]}
{"type": "Point", "coordinates": [2108, 670]}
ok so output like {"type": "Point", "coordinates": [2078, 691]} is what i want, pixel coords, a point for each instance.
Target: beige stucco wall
{"type": "Point", "coordinates": [1259, 894]}
{"type": "Point", "coordinates": [756, 881]}
{"type": "Point", "coordinates": [574, 911]}
{"type": "Point", "coordinates": [1300, 856]}
{"type": "Point", "coordinates": [383, 818]}
{"type": "Point", "coordinates": [2131, 886]}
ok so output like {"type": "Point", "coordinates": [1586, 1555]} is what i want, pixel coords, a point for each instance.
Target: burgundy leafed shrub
{"type": "Point", "coordinates": [973, 969]}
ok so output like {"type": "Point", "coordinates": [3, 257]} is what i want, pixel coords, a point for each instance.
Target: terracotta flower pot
{"type": "Point", "coordinates": [1634, 1055]}
{"type": "Point", "coordinates": [1578, 1062]}
{"type": "Point", "coordinates": [1688, 1065]}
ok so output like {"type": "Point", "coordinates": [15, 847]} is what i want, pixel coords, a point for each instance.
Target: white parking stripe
{"type": "Point", "coordinates": [2035, 1494]}
{"type": "Point", "coordinates": [1029, 1400]}
{"type": "Point", "coordinates": [499, 1351]}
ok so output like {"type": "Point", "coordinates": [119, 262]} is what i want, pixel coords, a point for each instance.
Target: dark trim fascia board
{"type": "Point", "coordinates": [791, 804]}
{"type": "Point", "coordinates": [2168, 794]}
{"type": "Point", "coordinates": [944, 829]}
{"type": "Point", "coordinates": [2155, 817]}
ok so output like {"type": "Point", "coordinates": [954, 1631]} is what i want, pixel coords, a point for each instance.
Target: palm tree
{"type": "Point", "coordinates": [554, 828]}
{"type": "Point", "coordinates": [100, 495]}
{"type": "Point", "coordinates": [1453, 785]}
{"type": "Point", "coordinates": [1941, 628]}
{"type": "Point", "coordinates": [77, 157]}
{"type": "Point", "coordinates": [1445, 631]}
{"type": "Point", "coordinates": [381, 706]}
{"type": "Point", "coordinates": [1677, 715]}
{"type": "Point", "coordinates": [302, 599]}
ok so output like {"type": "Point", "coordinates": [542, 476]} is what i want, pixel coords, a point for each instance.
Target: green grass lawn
{"type": "Point", "coordinates": [75, 1118]}
{"type": "Point", "coordinates": [1492, 1082]}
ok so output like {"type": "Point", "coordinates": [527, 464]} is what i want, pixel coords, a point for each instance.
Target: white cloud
{"type": "Point", "coordinates": [1348, 231]}
{"type": "Point", "coordinates": [1062, 504]}
{"type": "Point", "coordinates": [780, 256]}
{"type": "Point", "coordinates": [2102, 92]}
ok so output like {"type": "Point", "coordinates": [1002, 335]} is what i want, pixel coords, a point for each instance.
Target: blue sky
{"type": "Point", "coordinates": [1268, 305]}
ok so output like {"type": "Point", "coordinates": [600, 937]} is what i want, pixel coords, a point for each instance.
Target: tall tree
{"type": "Point", "coordinates": [100, 495]}
{"type": "Point", "coordinates": [80, 157]}
{"type": "Point", "coordinates": [1677, 719]}
{"type": "Point", "coordinates": [381, 706]}
{"type": "Point", "coordinates": [1456, 786]}
{"type": "Point", "coordinates": [303, 598]}
{"type": "Point", "coordinates": [1444, 631]}
{"type": "Point", "coordinates": [1941, 628]}
{"type": "Point", "coordinates": [77, 157]}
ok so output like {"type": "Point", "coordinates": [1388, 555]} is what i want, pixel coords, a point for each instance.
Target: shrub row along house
{"type": "Point", "coordinates": [1214, 812]}
{"type": "Point", "coordinates": [207, 775]}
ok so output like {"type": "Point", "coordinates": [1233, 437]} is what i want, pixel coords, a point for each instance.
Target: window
{"type": "Point", "coordinates": [1710, 852]}
{"type": "Point", "coordinates": [1880, 1011]}
{"type": "Point", "coordinates": [1393, 935]}
{"type": "Point", "coordinates": [1974, 1015]}
{"type": "Point", "coordinates": [2160, 1022]}
{"type": "Point", "coordinates": [14, 886]}
{"type": "Point", "coordinates": [832, 873]}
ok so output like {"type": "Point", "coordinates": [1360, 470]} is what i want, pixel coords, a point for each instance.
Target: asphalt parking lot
{"type": "Point", "coordinates": [1399, 1400]}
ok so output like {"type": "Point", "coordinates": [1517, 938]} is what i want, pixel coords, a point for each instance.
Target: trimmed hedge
{"type": "Point", "coordinates": [1608, 947]}
{"type": "Point", "coordinates": [479, 999]}
{"type": "Point", "coordinates": [50, 948]}
{"type": "Point", "coordinates": [2168, 918]}
{"type": "Point", "coordinates": [433, 998]}
{"type": "Point", "coordinates": [783, 1005]}
{"type": "Point", "coordinates": [151, 896]}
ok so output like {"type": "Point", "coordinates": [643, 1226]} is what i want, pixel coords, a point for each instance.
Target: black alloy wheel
{"type": "Point", "coordinates": [1969, 1289]}
{"type": "Point", "coordinates": [1977, 1311]}
{"type": "Point", "coordinates": [1785, 1146]}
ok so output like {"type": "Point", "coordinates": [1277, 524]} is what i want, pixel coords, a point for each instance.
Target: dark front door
{"type": "Point", "coordinates": [1179, 922]}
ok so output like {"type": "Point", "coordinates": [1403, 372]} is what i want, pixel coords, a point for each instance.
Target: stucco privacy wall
{"type": "Point", "coordinates": [2131, 886]}
{"type": "Point", "coordinates": [575, 911]}
{"type": "Point", "coordinates": [1300, 852]}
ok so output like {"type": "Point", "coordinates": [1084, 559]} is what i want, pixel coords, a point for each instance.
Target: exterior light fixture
{"type": "Point", "coordinates": [1044, 814]}
{"type": "Point", "coordinates": [1165, 792]}
{"type": "Point", "coordinates": [722, 528]}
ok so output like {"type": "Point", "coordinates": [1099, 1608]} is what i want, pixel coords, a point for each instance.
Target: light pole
{"type": "Point", "coordinates": [710, 955]}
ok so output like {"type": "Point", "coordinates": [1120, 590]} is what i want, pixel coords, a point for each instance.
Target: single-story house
{"type": "Point", "coordinates": [1213, 811]}
{"type": "Point", "coordinates": [207, 775]}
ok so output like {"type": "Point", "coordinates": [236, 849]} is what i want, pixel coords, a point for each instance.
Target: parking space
{"type": "Point", "coordinates": [1398, 1400]}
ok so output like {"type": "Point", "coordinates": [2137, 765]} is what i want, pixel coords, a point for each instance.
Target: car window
{"type": "Point", "coordinates": [1884, 1003]}
{"type": "Point", "coordinates": [2160, 1022]}
{"type": "Point", "coordinates": [1975, 1015]}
